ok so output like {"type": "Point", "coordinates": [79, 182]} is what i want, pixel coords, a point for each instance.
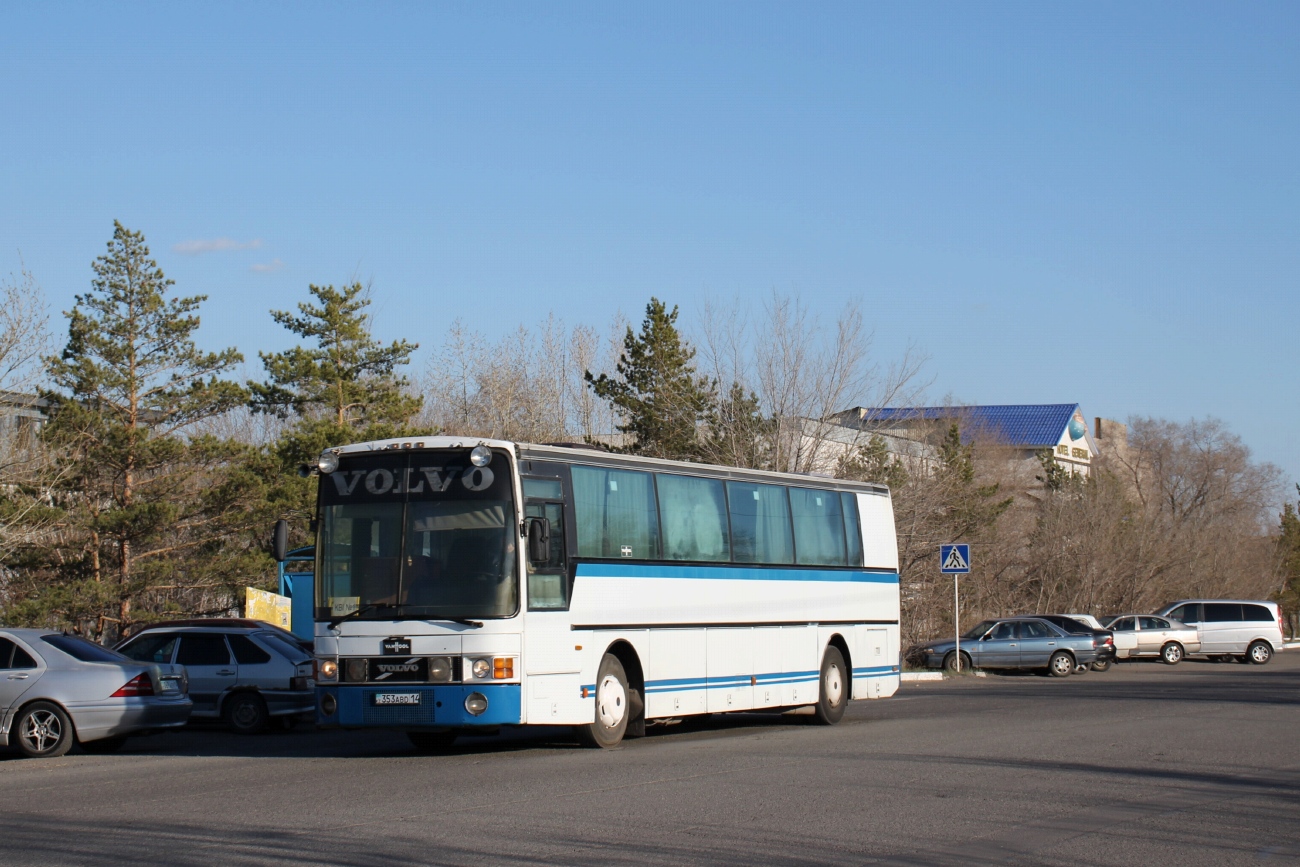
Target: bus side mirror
{"type": "Point", "coordinates": [280, 540]}
{"type": "Point", "coordinates": [539, 540]}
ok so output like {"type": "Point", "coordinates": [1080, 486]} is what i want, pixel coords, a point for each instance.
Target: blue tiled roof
{"type": "Point", "coordinates": [1023, 425]}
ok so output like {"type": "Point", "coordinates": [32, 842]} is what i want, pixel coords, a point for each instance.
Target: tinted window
{"type": "Point", "coordinates": [1123, 624]}
{"type": "Point", "coordinates": [760, 524]}
{"type": "Point", "coordinates": [1003, 631]}
{"type": "Point", "coordinates": [543, 489]}
{"type": "Point", "coordinates": [6, 652]}
{"type": "Point", "coordinates": [1222, 612]}
{"type": "Point", "coordinates": [615, 513]}
{"type": "Point", "coordinates": [852, 527]}
{"type": "Point", "coordinates": [246, 652]}
{"type": "Point", "coordinates": [693, 517]}
{"type": "Point", "coordinates": [1152, 623]}
{"type": "Point", "coordinates": [83, 650]}
{"type": "Point", "coordinates": [1257, 614]}
{"type": "Point", "coordinates": [818, 527]}
{"type": "Point", "coordinates": [22, 659]}
{"type": "Point", "coordinates": [152, 647]}
{"type": "Point", "coordinates": [198, 649]}
{"type": "Point", "coordinates": [1034, 629]}
{"type": "Point", "coordinates": [1190, 613]}
{"type": "Point", "coordinates": [1072, 626]}
{"type": "Point", "coordinates": [291, 651]}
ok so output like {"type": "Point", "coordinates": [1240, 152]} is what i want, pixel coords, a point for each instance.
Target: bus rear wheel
{"type": "Point", "coordinates": [835, 682]}
{"type": "Point", "coordinates": [613, 706]}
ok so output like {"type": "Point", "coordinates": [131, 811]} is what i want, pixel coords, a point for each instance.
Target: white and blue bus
{"type": "Point", "coordinates": [466, 584]}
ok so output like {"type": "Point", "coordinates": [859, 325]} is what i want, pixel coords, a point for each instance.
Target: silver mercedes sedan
{"type": "Point", "coordinates": [58, 689]}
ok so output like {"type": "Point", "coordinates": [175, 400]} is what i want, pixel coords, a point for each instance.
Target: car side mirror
{"type": "Point", "coordinates": [280, 540]}
{"type": "Point", "coordinates": [539, 540]}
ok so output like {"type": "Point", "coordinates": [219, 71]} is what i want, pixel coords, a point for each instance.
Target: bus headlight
{"type": "Point", "coordinates": [475, 703]}
{"type": "Point", "coordinates": [327, 669]}
{"type": "Point", "coordinates": [356, 670]}
{"type": "Point", "coordinates": [328, 462]}
{"type": "Point", "coordinates": [481, 456]}
{"type": "Point", "coordinates": [481, 668]}
{"type": "Point", "coordinates": [440, 669]}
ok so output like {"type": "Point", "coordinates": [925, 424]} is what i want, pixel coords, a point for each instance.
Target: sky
{"type": "Point", "coordinates": [1094, 203]}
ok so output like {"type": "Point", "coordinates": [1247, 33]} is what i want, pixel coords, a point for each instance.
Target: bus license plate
{"type": "Point", "coordinates": [383, 698]}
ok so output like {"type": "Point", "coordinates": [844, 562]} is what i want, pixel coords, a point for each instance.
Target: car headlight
{"type": "Point", "coordinates": [327, 669]}
{"type": "Point", "coordinates": [481, 668]}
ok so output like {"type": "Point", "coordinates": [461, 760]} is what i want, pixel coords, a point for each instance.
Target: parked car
{"type": "Point", "coordinates": [1138, 635]}
{"type": "Point", "coordinates": [1077, 625]}
{"type": "Point", "coordinates": [1012, 642]}
{"type": "Point", "coordinates": [243, 675]}
{"type": "Point", "coordinates": [306, 644]}
{"type": "Point", "coordinates": [1250, 630]}
{"type": "Point", "coordinates": [57, 689]}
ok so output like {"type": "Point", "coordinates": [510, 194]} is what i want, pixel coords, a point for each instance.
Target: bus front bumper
{"type": "Point", "coordinates": [414, 707]}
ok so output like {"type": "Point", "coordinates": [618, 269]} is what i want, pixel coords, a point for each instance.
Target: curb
{"type": "Point", "coordinates": [915, 676]}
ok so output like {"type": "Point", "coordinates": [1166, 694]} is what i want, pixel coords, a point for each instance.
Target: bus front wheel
{"type": "Point", "coordinates": [613, 706]}
{"type": "Point", "coordinates": [834, 692]}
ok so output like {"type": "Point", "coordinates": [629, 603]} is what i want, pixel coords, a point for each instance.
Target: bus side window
{"type": "Point", "coordinates": [548, 585]}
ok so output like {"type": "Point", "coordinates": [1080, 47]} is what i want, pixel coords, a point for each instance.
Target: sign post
{"type": "Point", "coordinates": [954, 560]}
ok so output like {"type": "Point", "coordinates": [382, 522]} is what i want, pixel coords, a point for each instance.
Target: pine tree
{"type": "Point", "coordinates": [134, 486]}
{"type": "Point", "coordinates": [736, 433]}
{"type": "Point", "coordinates": [343, 386]}
{"type": "Point", "coordinates": [656, 390]}
{"type": "Point", "coordinates": [872, 462]}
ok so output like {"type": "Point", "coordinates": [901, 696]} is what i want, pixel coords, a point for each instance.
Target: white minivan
{"type": "Point", "coordinates": [1245, 628]}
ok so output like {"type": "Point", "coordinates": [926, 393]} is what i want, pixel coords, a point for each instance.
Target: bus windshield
{"type": "Point", "coordinates": [422, 534]}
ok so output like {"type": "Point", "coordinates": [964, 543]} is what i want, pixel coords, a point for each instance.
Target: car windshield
{"type": "Point", "coordinates": [417, 534]}
{"type": "Point", "coordinates": [979, 630]}
{"type": "Point", "coordinates": [83, 650]}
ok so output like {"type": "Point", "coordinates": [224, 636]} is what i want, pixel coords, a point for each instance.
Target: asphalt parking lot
{"type": "Point", "coordinates": [1144, 764]}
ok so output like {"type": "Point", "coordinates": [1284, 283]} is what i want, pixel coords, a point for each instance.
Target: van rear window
{"type": "Point", "coordinates": [1257, 614]}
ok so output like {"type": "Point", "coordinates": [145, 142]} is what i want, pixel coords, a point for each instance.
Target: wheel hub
{"type": "Point", "coordinates": [834, 685]}
{"type": "Point", "coordinates": [611, 702]}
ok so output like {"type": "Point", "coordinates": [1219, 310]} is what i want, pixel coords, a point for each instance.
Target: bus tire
{"type": "Point", "coordinates": [613, 706]}
{"type": "Point", "coordinates": [835, 683]}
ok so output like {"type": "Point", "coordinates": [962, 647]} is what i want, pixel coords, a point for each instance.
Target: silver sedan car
{"type": "Point", "coordinates": [1138, 635]}
{"type": "Point", "coordinates": [57, 689]}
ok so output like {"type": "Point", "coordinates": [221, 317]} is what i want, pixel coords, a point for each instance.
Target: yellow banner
{"type": "Point", "coordinates": [268, 607]}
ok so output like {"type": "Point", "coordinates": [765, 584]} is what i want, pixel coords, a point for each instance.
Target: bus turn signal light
{"type": "Point", "coordinates": [503, 667]}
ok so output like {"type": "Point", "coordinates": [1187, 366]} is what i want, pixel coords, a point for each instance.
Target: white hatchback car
{"type": "Point", "coordinates": [1250, 630]}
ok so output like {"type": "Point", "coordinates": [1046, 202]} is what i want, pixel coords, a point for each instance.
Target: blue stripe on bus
{"type": "Point", "coordinates": [663, 570]}
{"type": "Point", "coordinates": [685, 684]}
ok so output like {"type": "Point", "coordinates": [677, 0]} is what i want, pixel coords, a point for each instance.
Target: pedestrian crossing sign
{"type": "Point", "coordinates": [954, 559]}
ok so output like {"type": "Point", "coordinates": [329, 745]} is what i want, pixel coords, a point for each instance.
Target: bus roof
{"type": "Point", "coordinates": [580, 454]}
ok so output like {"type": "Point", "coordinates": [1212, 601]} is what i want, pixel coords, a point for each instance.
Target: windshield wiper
{"type": "Point", "coordinates": [477, 624]}
{"type": "Point", "coordinates": [335, 621]}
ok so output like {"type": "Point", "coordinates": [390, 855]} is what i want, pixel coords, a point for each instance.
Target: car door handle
{"type": "Point", "coordinates": [225, 671]}
{"type": "Point", "coordinates": [19, 676]}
